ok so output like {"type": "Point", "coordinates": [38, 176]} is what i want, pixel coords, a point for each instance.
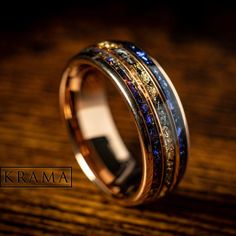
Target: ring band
{"type": "Point", "coordinates": [156, 112]}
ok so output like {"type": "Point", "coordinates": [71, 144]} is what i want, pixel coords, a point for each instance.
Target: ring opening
{"type": "Point", "coordinates": [108, 140]}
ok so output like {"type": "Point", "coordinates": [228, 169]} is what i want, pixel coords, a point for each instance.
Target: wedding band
{"type": "Point", "coordinates": [154, 166]}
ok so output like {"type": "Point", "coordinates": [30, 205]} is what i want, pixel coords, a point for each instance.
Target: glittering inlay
{"type": "Point", "coordinates": [171, 100]}
{"type": "Point", "coordinates": [152, 132]}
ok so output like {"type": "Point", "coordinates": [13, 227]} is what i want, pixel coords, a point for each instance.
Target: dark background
{"type": "Point", "coordinates": [193, 41]}
{"type": "Point", "coordinates": [184, 20]}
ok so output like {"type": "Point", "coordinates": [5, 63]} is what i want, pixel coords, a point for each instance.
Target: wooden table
{"type": "Point", "coordinates": [32, 134]}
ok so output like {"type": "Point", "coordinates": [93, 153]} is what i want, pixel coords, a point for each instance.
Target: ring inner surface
{"type": "Point", "coordinates": [109, 130]}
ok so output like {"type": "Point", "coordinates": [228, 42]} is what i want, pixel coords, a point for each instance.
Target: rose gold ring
{"type": "Point", "coordinates": [126, 122]}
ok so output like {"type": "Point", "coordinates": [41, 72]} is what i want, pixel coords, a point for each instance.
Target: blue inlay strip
{"type": "Point", "coordinates": [171, 100]}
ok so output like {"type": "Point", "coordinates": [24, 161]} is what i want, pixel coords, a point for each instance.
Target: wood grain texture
{"type": "Point", "coordinates": [32, 133]}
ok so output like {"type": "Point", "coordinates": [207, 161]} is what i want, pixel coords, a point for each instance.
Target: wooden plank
{"type": "Point", "coordinates": [33, 134]}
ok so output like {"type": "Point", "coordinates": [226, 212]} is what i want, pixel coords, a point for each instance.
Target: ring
{"type": "Point", "coordinates": [148, 158]}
